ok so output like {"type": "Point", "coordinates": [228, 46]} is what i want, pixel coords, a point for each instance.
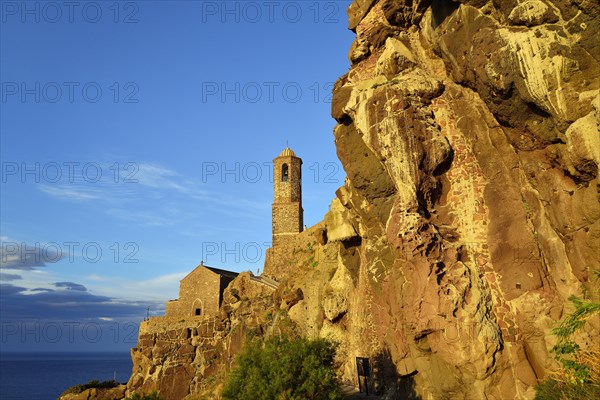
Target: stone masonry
{"type": "Point", "coordinates": [200, 293]}
{"type": "Point", "coordinates": [287, 202]}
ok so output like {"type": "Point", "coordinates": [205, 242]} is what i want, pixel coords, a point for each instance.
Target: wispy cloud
{"type": "Point", "coordinates": [164, 280]}
{"type": "Point", "coordinates": [70, 193]}
{"type": "Point", "coordinates": [152, 195]}
{"type": "Point", "coordinates": [98, 278]}
{"type": "Point", "coordinates": [159, 177]}
{"type": "Point", "coordinates": [156, 289]}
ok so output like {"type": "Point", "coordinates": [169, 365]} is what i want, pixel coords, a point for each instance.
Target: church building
{"type": "Point", "coordinates": [201, 291]}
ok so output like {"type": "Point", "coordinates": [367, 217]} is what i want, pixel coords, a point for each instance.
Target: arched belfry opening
{"type": "Point", "coordinates": [285, 173]}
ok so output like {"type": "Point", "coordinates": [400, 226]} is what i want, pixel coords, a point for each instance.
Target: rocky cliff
{"type": "Point", "coordinates": [470, 213]}
{"type": "Point", "coordinates": [469, 135]}
{"type": "Point", "coordinates": [189, 357]}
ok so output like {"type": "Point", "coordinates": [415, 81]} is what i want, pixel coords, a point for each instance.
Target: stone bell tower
{"type": "Point", "coordinates": [287, 202]}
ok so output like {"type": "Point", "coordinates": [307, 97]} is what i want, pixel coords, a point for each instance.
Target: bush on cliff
{"type": "Point", "coordinates": [579, 375]}
{"type": "Point", "coordinates": [284, 369]}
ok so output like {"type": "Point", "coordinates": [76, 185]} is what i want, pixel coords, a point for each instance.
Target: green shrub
{"type": "Point", "coordinates": [579, 375]}
{"type": "Point", "coordinates": [551, 389]}
{"type": "Point", "coordinates": [566, 350]}
{"type": "Point", "coordinates": [284, 369]}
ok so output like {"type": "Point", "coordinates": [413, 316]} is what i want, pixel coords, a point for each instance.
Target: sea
{"type": "Point", "coordinates": [44, 376]}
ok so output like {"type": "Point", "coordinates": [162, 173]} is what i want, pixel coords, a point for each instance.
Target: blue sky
{"type": "Point", "coordinates": [136, 141]}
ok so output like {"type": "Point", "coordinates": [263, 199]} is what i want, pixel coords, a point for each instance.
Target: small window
{"type": "Point", "coordinates": [285, 173]}
{"type": "Point", "coordinates": [198, 311]}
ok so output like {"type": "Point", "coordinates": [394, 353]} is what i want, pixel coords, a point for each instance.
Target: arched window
{"type": "Point", "coordinates": [285, 173]}
{"type": "Point", "coordinates": [197, 308]}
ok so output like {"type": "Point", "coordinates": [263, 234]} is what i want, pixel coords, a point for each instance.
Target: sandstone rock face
{"type": "Point", "coordinates": [337, 223]}
{"type": "Point", "coordinates": [469, 135]}
{"type": "Point", "coordinates": [335, 306]}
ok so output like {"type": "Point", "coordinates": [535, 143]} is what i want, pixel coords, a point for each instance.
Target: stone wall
{"type": "Point", "coordinates": [172, 308]}
{"type": "Point", "coordinates": [175, 357]}
{"type": "Point", "coordinates": [201, 289]}
{"type": "Point", "coordinates": [291, 250]}
{"type": "Point", "coordinates": [287, 221]}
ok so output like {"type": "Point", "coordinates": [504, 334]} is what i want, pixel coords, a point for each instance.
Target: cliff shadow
{"type": "Point", "coordinates": [440, 10]}
{"type": "Point", "coordinates": [386, 379]}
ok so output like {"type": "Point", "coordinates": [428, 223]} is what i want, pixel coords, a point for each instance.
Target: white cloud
{"type": "Point", "coordinates": [69, 193]}
{"type": "Point", "coordinates": [158, 177]}
{"type": "Point", "coordinates": [157, 289]}
{"type": "Point", "coordinates": [97, 278]}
